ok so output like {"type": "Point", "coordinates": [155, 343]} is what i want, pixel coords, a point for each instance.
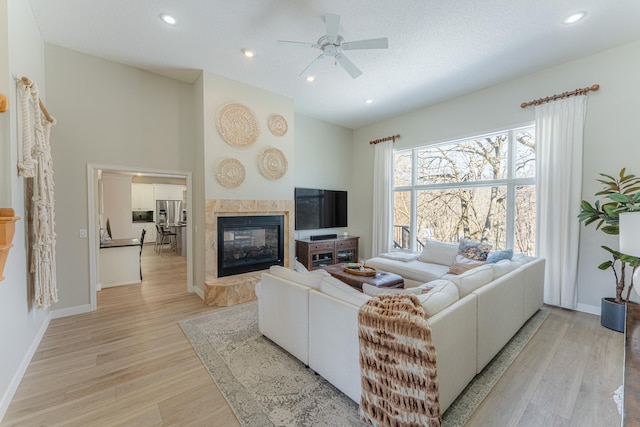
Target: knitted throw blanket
{"type": "Point", "coordinates": [397, 364]}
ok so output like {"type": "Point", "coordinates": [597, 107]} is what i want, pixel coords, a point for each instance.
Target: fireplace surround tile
{"type": "Point", "coordinates": [242, 289]}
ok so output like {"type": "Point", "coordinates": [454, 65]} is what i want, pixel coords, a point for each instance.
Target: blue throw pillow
{"type": "Point", "coordinates": [499, 256]}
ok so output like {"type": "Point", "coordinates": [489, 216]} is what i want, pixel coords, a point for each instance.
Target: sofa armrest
{"type": "Point", "coordinates": [334, 351]}
{"type": "Point", "coordinates": [500, 314]}
{"type": "Point", "coordinates": [453, 333]}
{"type": "Point", "coordinates": [533, 286]}
{"type": "Point", "coordinates": [283, 315]}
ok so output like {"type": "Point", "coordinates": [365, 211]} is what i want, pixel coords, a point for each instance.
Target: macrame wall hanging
{"type": "Point", "coordinates": [36, 166]}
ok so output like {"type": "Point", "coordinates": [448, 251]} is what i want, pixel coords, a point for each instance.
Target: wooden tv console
{"type": "Point", "coordinates": [319, 253]}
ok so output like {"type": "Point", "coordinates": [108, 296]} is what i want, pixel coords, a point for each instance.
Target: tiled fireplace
{"type": "Point", "coordinates": [222, 289]}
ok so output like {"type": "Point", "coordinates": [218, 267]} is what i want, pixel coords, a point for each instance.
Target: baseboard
{"type": "Point", "coordinates": [196, 290]}
{"type": "Point", "coordinates": [591, 309]}
{"type": "Point", "coordinates": [17, 377]}
{"type": "Point", "coordinates": [70, 311]}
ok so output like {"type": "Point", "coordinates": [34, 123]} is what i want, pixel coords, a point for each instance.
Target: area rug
{"type": "Point", "coordinates": [266, 386]}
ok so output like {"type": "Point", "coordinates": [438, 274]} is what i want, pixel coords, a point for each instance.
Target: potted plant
{"type": "Point", "coordinates": [623, 194]}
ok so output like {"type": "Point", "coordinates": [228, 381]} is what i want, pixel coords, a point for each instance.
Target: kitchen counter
{"type": "Point", "coordinates": [119, 243]}
{"type": "Point", "coordinates": [119, 263]}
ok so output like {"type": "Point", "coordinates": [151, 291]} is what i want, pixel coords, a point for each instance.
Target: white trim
{"type": "Point", "coordinates": [19, 374]}
{"type": "Point", "coordinates": [196, 290]}
{"type": "Point", "coordinates": [92, 185]}
{"type": "Point", "coordinates": [591, 309]}
{"type": "Point", "coordinates": [70, 311]}
{"type": "Point", "coordinates": [113, 285]}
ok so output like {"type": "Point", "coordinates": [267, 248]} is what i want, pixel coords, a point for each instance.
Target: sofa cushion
{"type": "Point", "coordinates": [375, 291]}
{"type": "Point", "coordinates": [503, 267]}
{"type": "Point", "coordinates": [473, 279]}
{"type": "Point", "coordinates": [435, 252]}
{"type": "Point", "coordinates": [414, 270]}
{"type": "Point", "coordinates": [311, 279]}
{"type": "Point", "coordinates": [443, 293]}
{"type": "Point", "coordinates": [463, 264]}
{"type": "Point", "coordinates": [496, 256]}
{"type": "Point", "coordinates": [340, 290]}
{"type": "Point", "coordinates": [474, 250]}
{"type": "Point", "coordinates": [400, 256]}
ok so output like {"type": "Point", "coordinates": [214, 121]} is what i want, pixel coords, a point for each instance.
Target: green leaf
{"type": "Point", "coordinates": [605, 265]}
{"type": "Point", "coordinates": [611, 229]}
{"type": "Point", "coordinates": [607, 176]}
{"type": "Point", "coordinates": [620, 198]}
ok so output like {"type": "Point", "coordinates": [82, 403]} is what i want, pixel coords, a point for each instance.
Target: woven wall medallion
{"type": "Point", "coordinates": [277, 124]}
{"type": "Point", "coordinates": [272, 163]}
{"type": "Point", "coordinates": [230, 173]}
{"type": "Point", "coordinates": [237, 125]}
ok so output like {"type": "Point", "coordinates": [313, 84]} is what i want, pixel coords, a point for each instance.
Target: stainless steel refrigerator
{"type": "Point", "coordinates": [168, 211]}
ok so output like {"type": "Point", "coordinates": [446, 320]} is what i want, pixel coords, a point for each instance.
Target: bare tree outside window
{"type": "Point", "coordinates": [473, 188]}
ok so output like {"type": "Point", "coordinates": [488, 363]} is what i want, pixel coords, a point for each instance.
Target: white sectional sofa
{"type": "Point", "coordinates": [472, 316]}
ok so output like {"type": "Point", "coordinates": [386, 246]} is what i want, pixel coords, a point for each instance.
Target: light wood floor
{"type": "Point", "coordinates": [128, 363]}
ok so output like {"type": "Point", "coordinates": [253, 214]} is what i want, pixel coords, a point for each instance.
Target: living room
{"type": "Point", "coordinates": [113, 114]}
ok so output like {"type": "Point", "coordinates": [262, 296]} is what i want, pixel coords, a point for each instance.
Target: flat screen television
{"type": "Point", "coordinates": [317, 208]}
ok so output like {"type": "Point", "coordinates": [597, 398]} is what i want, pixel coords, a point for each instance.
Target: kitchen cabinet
{"type": "Point", "coordinates": [142, 197]}
{"type": "Point", "coordinates": [168, 191]}
{"type": "Point", "coordinates": [151, 231]}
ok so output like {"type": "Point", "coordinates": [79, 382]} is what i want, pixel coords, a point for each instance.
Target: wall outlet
{"type": "Point", "coordinates": [83, 233]}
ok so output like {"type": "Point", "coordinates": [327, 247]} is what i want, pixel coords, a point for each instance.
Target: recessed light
{"type": "Point", "coordinates": [168, 19]}
{"type": "Point", "coordinates": [248, 53]}
{"type": "Point", "coordinates": [368, 101]}
{"type": "Point", "coordinates": [311, 78]}
{"type": "Point", "coordinates": [574, 17]}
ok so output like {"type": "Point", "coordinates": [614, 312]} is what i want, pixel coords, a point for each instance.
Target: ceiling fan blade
{"type": "Point", "coordinates": [381, 43]}
{"type": "Point", "coordinates": [310, 66]}
{"type": "Point", "coordinates": [333, 24]}
{"type": "Point", "coordinates": [346, 63]}
{"type": "Point", "coordinates": [298, 44]}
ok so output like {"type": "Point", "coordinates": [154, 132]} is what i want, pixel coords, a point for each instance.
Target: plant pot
{"type": "Point", "coordinates": [612, 314]}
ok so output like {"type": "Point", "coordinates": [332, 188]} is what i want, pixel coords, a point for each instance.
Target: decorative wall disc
{"type": "Point", "coordinates": [237, 125]}
{"type": "Point", "coordinates": [272, 163]}
{"type": "Point", "coordinates": [230, 173]}
{"type": "Point", "coordinates": [277, 124]}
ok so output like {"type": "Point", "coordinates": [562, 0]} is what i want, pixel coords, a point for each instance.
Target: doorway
{"type": "Point", "coordinates": [95, 208]}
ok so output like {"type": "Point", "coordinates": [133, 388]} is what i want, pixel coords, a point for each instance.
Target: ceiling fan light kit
{"type": "Point", "coordinates": [333, 45]}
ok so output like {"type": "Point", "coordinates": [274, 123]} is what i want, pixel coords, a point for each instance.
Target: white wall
{"type": "Point", "coordinates": [21, 53]}
{"type": "Point", "coordinates": [323, 158]}
{"type": "Point", "coordinates": [219, 91]}
{"type": "Point", "coordinates": [108, 114]}
{"type": "Point", "coordinates": [116, 202]}
{"type": "Point", "coordinates": [610, 138]}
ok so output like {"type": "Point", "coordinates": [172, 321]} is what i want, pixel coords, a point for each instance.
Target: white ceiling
{"type": "Point", "coordinates": [438, 49]}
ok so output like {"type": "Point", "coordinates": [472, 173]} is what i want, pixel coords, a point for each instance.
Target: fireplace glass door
{"type": "Point", "coordinates": [249, 243]}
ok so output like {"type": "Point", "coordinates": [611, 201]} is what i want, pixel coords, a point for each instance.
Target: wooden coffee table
{"type": "Point", "coordinates": [382, 279]}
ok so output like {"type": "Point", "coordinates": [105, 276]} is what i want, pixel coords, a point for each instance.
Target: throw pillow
{"type": "Point", "coordinates": [496, 256]}
{"type": "Point", "coordinates": [463, 264]}
{"type": "Point", "coordinates": [299, 267]}
{"type": "Point", "coordinates": [374, 291]}
{"type": "Point", "coordinates": [438, 252]}
{"type": "Point", "coordinates": [473, 279]}
{"type": "Point", "coordinates": [442, 295]}
{"type": "Point", "coordinates": [311, 279]}
{"type": "Point", "coordinates": [474, 250]}
{"type": "Point", "coordinates": [340, 290]}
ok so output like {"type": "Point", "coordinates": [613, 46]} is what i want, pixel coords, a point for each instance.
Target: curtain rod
{"type": "Point", "coordinates": [582, 91]}
{"type": "Point", "coordinates": [28, 82]}
{"type": "Point", "coordinates": [388, 138]}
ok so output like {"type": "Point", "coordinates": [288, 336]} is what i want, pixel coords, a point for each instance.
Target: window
{"type": "Point", "coordinates": [480, 188]}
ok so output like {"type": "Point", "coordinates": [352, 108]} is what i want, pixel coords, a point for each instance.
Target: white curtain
{"type": "Point", "coordinates": [382, 195]}
{"type": "Point", "coordinates": [559, 131]}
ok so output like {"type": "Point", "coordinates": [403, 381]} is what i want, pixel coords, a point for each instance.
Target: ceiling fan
{"type": "Point", "coordinates": [332, 45]}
